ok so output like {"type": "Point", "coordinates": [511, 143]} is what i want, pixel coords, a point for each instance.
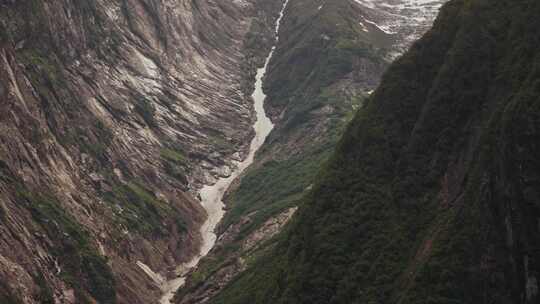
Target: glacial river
{"type": "Point", "coordinates": [212, 195]}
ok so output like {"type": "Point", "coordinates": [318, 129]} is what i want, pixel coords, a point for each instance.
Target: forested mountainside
{"type": "Point", "coordinates": [330, 56]}
{"type": "Point", "coordinates": [432, 195]}
{"type": "Point", "coordinates": [113, 114]}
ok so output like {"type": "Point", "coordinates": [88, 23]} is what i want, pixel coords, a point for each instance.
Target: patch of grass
{"type": "Point", "coordinates": [272, 188]}
{"type": "Point", "coordinates": [83, 267]}
{"type": "Point", "coordinates": [45, 295]}
{"type": "Point", "coordinates": [176, 171]}
{"type": "Point", "coordinates": [175, 156]}
{"type": "Point", "coordinates": [4, 34]}
{"type": "Point", "coordinates": [93, 140]}
{"type": "Point", "coordinates": [45, 67]}
{"type": "Point", "coordinates": [139, 210]}
{"type": "Point", "coordinates": [220, 143]}
{"type": "Point", "coordinates": [175, 163]}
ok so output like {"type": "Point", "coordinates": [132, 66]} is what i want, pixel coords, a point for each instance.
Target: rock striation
{"type": "Point", "coordinates": [114, 114]}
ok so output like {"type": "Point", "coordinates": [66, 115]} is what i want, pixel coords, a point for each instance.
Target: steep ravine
{"type": "Point", "coordinates": [325, 65]}
{"type": "Point", "coordinates": [212, 195]}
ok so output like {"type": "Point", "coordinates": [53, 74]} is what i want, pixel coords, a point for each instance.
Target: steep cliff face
{"type": "Point", "coordinates": [113, 114]}
{"type": "Point", "coordinates": [432, 194]}
{"type": "Point", "coordinates": [330, 56]}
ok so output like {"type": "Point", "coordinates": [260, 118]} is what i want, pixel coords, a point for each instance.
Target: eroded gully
{"type": "Point", "coordinates": [212, 195]}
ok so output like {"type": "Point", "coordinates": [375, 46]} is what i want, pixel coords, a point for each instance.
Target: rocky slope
{"type": "Point", "coordinates": [113, 115]}
{"type": "Point", "coordinates": [404, 20]}
{"type": "Point", "coordinates": [432, 194]}
{"type": "Point", "coordinates": [328, 60]}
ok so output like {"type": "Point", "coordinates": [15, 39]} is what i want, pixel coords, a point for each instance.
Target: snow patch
{"type": "Point", "coordinates": [383, 28]}
{"type": "Point", "coordinates": [407, 19]}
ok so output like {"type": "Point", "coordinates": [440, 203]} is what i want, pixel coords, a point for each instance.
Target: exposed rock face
{"type": "Point", "coordinates": [113, 114]}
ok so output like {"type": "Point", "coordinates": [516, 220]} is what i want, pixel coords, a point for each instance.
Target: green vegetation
{"type": "Point", "coordinates": [317, 49]}
{"type": "Point", "coordinates": [45, 71]}
{"type": "Point", "coordinates": [431, 195]}
{"type": "Point", "coordinates": [220, 143]}
{"type": "Point", "coordinates": [305, 84]}
{"type": "Point", "coordinates": [139, 210]}
{"type": "Point", "coordinates": [255, 41]}
{"type": "Point", "coordinates": [97, 143]}
{"type": "Point", "coordinates": [45, 295]}
{"type": "Point", "coordinates": [6, 296]}
{"type": "Point", "coordinates": [145, 108]}
{"type": "Point", "coordinates": [93, 140]}
{"type": "Point", "coordinates": [274, 187]}
{"type": "Point", "coordinates": [174, 156]}
{"type": "Point", "coordinates": [311, 81]}
{"type": "Point", "coordinates": [4, 34]}
{"type": "Point", "coordinates": [82, 266]}
{"type": "Point", "coordinates": [175, 163]}
{"type": "Point", "coordinates": [176, 171]}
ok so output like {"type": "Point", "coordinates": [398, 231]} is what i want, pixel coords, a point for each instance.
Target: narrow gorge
{"type": "Point", "coordinates": [212, 195]}
{"type": "Point", "coordinates": [269, 151]}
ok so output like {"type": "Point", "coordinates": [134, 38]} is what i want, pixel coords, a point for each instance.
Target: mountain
{"type": "Point", "coordinates": [432, 194]}
{"type": "Point", "coordinates": [327, 62]}
{"type": "Point", "coordinates": [405, 20]}
{"type": "Point", "coordinates": [114, 114]}
{"type": "Point", "coordinates": [407, 182]}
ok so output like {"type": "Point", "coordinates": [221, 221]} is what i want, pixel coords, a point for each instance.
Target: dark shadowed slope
{"type": "Point", "coordinates": [433, 193]}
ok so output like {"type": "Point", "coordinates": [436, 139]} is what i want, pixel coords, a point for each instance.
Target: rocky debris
{"type": "Point", "coordinates": [203, 290]}
{"type": "Point", "coordinates": [267, 230]}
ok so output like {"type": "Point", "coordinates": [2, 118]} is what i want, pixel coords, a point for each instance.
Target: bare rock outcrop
{"type": "Point", "coordinates": [109, 111]}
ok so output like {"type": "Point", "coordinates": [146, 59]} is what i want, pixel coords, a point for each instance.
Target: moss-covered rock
{"type": "Point", "coordinates": [83, 267]}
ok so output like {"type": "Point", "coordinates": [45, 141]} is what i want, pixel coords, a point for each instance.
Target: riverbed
{"type": "Point", "coordinates": [212, 195]}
